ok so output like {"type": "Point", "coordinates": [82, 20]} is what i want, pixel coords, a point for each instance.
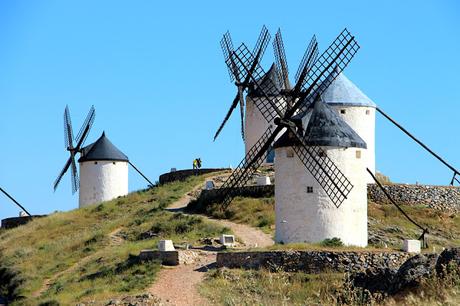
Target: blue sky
{"type": "Point", "coordinates": [155, 73]}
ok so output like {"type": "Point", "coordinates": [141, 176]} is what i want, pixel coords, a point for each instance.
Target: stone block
{"type": "Point", "coordinates": [209, 185]}
{"type": "Point", "coordinates": [263, 181]}
{"type": "Point", "coordinates": [166, 246]}
{"type": "Point", "coordinates": [412, 246]}
{"type": "Point", "coordinates": [227, 240]}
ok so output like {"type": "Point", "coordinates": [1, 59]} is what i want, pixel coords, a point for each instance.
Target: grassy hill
{"type": "Point", "coordinates": [89, 254]}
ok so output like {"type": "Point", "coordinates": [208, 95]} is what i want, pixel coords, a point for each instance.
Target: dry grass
{"type": "Point", "coordinates": [77, 246]}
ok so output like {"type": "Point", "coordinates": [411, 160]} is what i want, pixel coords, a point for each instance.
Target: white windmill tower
{"type": "Point", "coordinates": [103, 167]}
{"type": "Point", "coordinates": [103, 172]}
{"type": "Point", "coordinates": [357, 110]}
{"type": "Point", "coordinates": [304, 212]}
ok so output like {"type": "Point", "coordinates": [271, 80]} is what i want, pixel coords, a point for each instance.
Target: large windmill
{"type": "Point", "coordinates": [103, 167]}
{"type": "Point", "coordinates": [313, 79]}
{"type": "Point", "coordinates": [241, 77]}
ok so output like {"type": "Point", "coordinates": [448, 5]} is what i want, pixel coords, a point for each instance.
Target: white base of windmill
{"type": "Point", "coordinates": [304, 212]}
{"type": "Point", "coordinates": [102, 181]}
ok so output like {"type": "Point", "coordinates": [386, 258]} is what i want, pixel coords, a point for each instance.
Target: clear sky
{"type": "Point", "coordinates": [155, 73]}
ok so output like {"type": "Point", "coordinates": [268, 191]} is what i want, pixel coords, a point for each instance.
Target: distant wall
{"type": "Point", "coordinates": [313, 261]}
{"type": "Point", "coordinates": [181, 175]}
{"type": "Point", "coordinates": [17, 221]}
{"type": "Point", "coordinates": [444, 198]}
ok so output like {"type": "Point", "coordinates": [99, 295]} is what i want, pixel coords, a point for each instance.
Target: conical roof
{"type": "Point", "coordinates": [270, 84]}
{"type": "Point", "coordinates": [327, 128]}
{"type": "Point", "coordinates": [102, 149]}
{"type": "Point", "coordinates": [323, 127]}
{"type": "Point", "coordinates": [342, 91]}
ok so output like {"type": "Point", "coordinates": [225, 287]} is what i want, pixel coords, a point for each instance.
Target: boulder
{"type": "Point", "coordinates": [414, 270]}
{"type": "Point", "coordinates": [446, 259]}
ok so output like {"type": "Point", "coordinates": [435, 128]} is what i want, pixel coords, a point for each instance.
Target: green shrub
{"type": "Point", "coordinates": [332, 242]}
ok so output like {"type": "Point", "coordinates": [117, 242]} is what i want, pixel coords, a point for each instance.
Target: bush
{"type": "Point", "coordinates": [332, 242]}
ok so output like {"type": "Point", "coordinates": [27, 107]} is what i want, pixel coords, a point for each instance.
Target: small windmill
{"type": "Point", "coordinates": [103, 167]}
{"type": "Point", "coordinates": [241, 77]}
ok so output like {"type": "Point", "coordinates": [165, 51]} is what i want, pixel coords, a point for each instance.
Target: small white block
{"type": "Point", "coordinates": [412, 246]}
{"type": "Point", "coordinates": [166, 245]}
{"type": "Point", "coordinates": [173, 170]}
{"type": "Point", "coordinates": [263, 181]}
{"type": "Point", "coordinates": [22, 214]}
{"type": "Point", "coordinates": [227, 240]}
{"type": "Point", "coordinates": [209, 185]}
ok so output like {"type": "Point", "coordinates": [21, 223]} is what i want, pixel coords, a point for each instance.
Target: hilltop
{"type": "Point", "coordinates": [89, 255]}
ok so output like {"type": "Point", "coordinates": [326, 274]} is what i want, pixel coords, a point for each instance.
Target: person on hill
{"type": "Point", "coordinates": [195, 164]}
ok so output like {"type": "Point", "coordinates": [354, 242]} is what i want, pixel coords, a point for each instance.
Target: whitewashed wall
{"type": "Point", "coordinates": [103, 181]}
{"type": "Point", "coordinates": [312, 217]}
{"type": "Point", "coordinates": [362, 120]}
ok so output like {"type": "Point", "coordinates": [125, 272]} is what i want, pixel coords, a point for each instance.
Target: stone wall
{"type": "Point", "coordinates": [181, 175]}
{"type": "Point", "coordinates": [313, 261]}
{"type": "Point", "coordinates": [445, 198]}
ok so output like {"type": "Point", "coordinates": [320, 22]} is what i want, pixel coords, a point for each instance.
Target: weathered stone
{"type": "Point", "coordinates": [447, 258]}
{"type": "Point", "coordinates": [414, 270]}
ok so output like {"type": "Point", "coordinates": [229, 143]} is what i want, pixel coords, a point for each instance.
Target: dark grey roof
{"type": "Point", "coordinates": [102, 149]}
{"type": "Point", "coordinates": [270, 84]}
{"type": "Point", "coordinates": [324, 127]}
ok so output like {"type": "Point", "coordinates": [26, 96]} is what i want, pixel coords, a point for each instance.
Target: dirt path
{"type": "Point", "coordinates": [179, 285]}
{"type": "Point", "coordinates": [114, 239]}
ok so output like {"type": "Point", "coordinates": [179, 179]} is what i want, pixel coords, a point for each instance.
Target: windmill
{"type": "Point", "coordinates": [241, 77]}
{"type": "Point", "coordinates": [103, 167]}
{"type": "Point", "coordinates": [312, 81]}
{"type": "Point", "coordinates": [74, 149]}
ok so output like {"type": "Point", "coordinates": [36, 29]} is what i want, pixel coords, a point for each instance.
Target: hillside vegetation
{"type": "Point", "coordinates": [90, 254]}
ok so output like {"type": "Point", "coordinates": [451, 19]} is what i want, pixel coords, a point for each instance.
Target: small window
{"type": "Point", "coordinates": [95, 163]}
{"type": "Point", "coordinates": [358, 153]}
{"type": "Point", "coordinates": [309, 189]}
{"type": "Point", "coordinates": [113, 163]}
{"type": "Point", "coordinates": [368, 112]}
{"type": "Point", "coordinates": [289, 153]}
{"type": "Point", "coordinates": [321, 153]}
{"type": "Point", "coordinates": [342, 111]}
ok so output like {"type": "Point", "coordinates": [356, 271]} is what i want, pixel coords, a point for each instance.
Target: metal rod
{"type": "Point", "coordinates": [138, 171]}
{"type": "Point", "coordinates": [420, 143]}
{"type": "Point", "coordinates": [424, 230]}
{"type": "Point", "coordinates": [16, 202]}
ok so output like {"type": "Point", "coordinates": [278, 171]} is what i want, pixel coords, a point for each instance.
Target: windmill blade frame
{"type": "Point", "coordinates": [280, 60]}
{"type": "Point", "coordinates": [323, 169]}
{"type": "Point", "coordinates": [308, 59]}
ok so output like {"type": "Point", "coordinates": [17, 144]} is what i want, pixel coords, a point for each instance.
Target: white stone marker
{"type": "Point", "coordinates": [263, 181]}
{"type": "Point", "coordinates": [227, 240]}
{"type": "Point", "coordinates": [412, 246]}
{"type": "Point", "coordinates": [209, 185]}
{"type": "Point", "coordinates": [166, 245]}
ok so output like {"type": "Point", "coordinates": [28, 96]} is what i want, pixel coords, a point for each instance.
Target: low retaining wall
{"type": "Point", "coordinates": [445, 198]}
{"type": "Point", "coordinates": [169, 258]}
{"type": "Point", "coordinates": [181, 175]}
{"type": "Point", "coordinates": [17, 221]}
{"type": "Point", "coordinates": [313, 261]}
{"type": "Point", "coordinates": [212, 196]}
